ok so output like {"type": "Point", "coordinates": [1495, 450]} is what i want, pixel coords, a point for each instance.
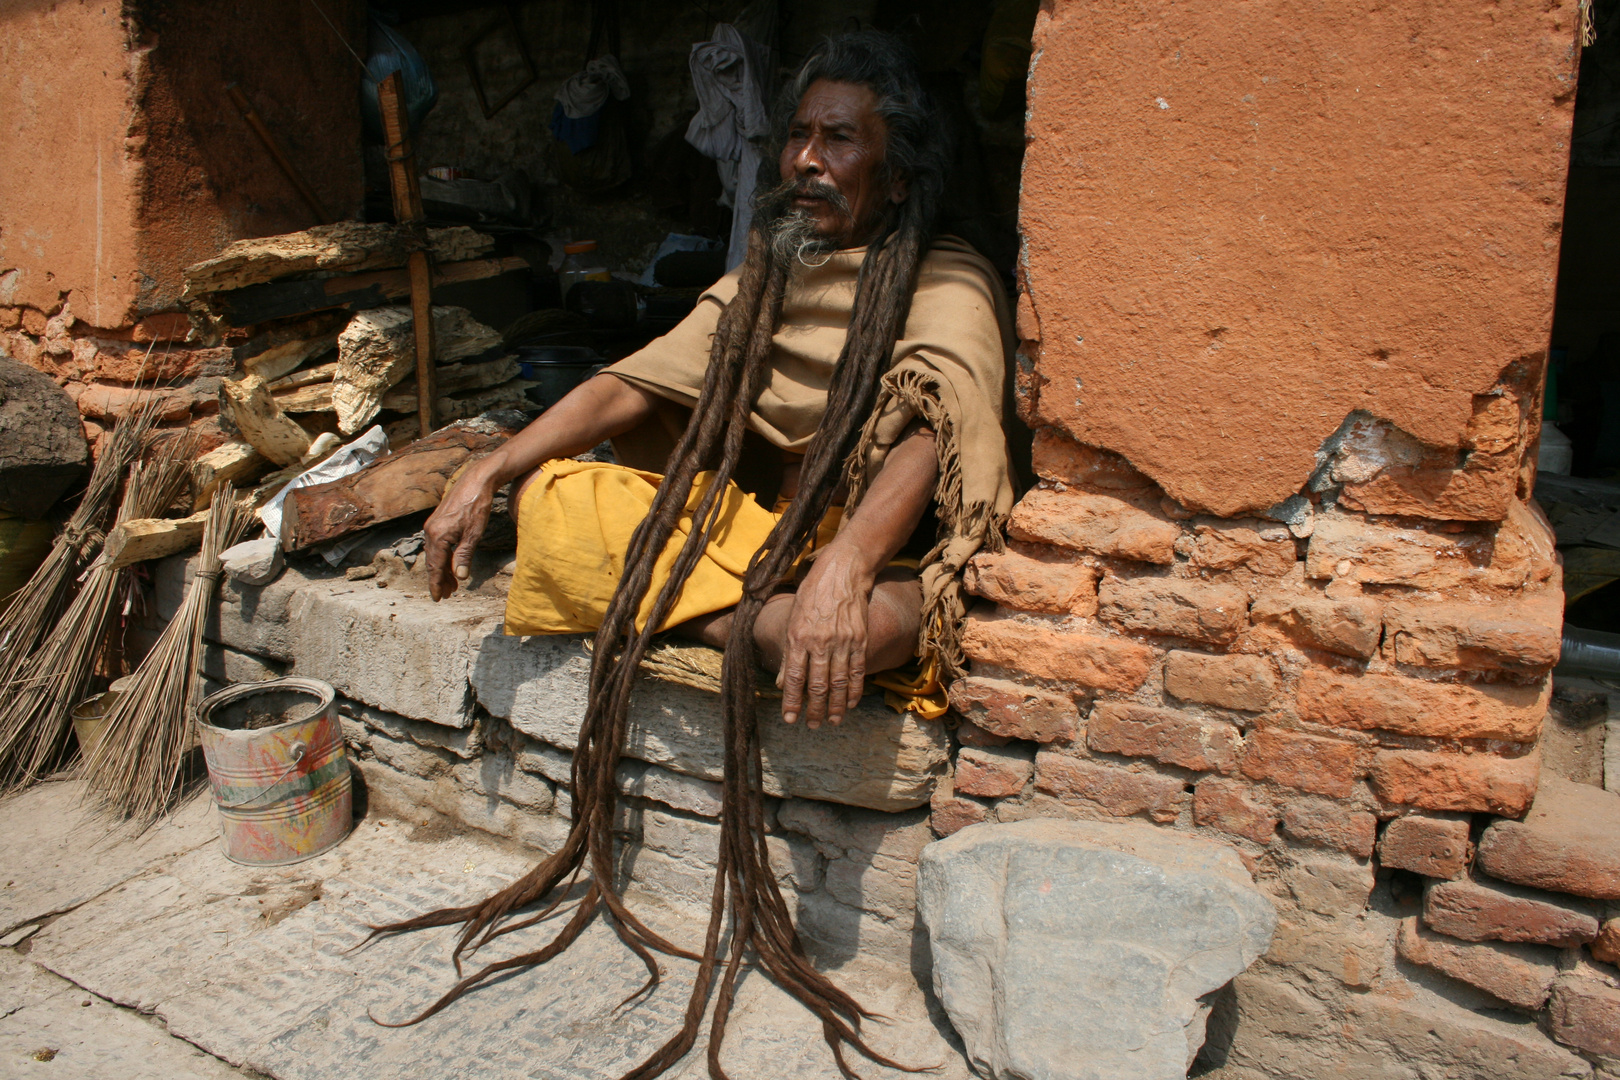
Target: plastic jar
{"type": "Point", "coordinates": [577, 265]}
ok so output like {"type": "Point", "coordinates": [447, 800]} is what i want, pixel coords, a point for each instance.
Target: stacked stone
{"type": "Point", "coordinates": [109, 372]}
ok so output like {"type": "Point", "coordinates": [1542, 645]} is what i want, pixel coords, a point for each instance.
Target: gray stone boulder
{"type": "Point", "coordinates": [1081, 950]}
{"type": "Point", "coordinates": [44, 450]}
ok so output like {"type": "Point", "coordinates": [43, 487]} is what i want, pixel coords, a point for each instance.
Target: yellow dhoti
{"type": "Point", "coordinates": [575, 520]}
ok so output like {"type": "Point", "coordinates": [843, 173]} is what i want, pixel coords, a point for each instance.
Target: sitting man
{"type": "Point", "coordinates": [867, 356]}
{"type": "Point", "coordinates": [861, 162]}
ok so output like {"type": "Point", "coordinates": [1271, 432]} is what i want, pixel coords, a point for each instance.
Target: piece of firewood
{"type": "Point", "coordinates": [306, 376]}
{"type": "Point", "coordinates": [342, 246]}
{"type": "Point", "coordinates": [285, 346]}
{"type": "Point", "coordinates": [141, 539]}
{"type": "Point", "coordinates": [348, 292]}
{"type": "Point", "coordinates": [260, 420]}
{"type": "Point", "coordinates": [410, 479]}
{"type": "Point", "coordinates": [317, 397]}
{"type": "Point", "coordinates": [454, 379]}
{"type": "Point", "coordinates": [235, 462]}
{"type": "Point", "coordinates": [378, 349]}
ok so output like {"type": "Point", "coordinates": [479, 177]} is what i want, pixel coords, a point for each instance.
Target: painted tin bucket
{"type": "Point", "coordinates": [278, 769]}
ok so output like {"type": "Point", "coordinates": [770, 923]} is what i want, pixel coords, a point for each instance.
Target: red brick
{"type": "Point", "coordinates": [164, 326]}
{"type": "Point", "coordinates": [1607, 945]}
{"type": "Point", "coordinates": [1433, 486]}
{"type": "Point", "coordinates": [1091, 660]}
{"type": "Point", "coordinates": [1452, 781]}
{"type": "Point", "coordinates": [1520, 636]}
{"type": "Point", "coordinates": [109, 403]}
{"type": "Point", "coordinates": [1119, 727]}
{"type": "Point", "coordinates": [1009, 710]}
{"type": "Point", "coordinates": [1373, 553]}
{"type": "Point", "coordinates": [1066, 461]}
{"type": "Point", "coordinates": [10, 317]}
{"type": "Point", "coordinates": [1427, 844]}
{"type": "Point", "coordinates": [992, 773]}
{"type": "Point", "coordinates": [119, 361]}
{"type": "Point", "coordinates": [1419, 707]}
{"type": "Point", "coordinates": [970, 734]}
{"type": "Point", "coordinates": [33, 321]}
{"type": "Point", "coordinates": [1234, 547]}
{"type": "Point", "coordinates": [1100, 524]}
{"type": "Point", "coordinates": [1175, 607]}
{"type": "Point", "coordinates": [1520, 975]}
{"type": "Point", "coordinates": [1225, 805]}
{"type": "Point", "coordinates": [950, 812]}
{"type": "Point", "coordinates": [1585, 1014]}
{"type": "Point", "coordinates": [1306, 762]}
{"type": "Point", "coordinates": [1231, 682]}
{"type": "Point", "coordinates": [1109, 787]}
{"type": "Point", "coordinates": [1568, 842]}
{"type": "Point", "coordinates": [1026, 583]}
{"type": "Point", "coordinates": [1494, 911]}
{"type": "Point", "coordinates": [1350, 627]}
{"type": "Point", "coordinates": [1330, 825]}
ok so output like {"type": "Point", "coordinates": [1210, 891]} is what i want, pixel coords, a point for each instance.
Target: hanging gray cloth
{"type": "Point", "coordinates": [587, 91]}
{"type": "Point", "coordinates": [732, 121]}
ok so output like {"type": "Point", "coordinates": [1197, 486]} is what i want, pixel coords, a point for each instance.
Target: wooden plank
{"type": "Point", "coordinates": [307, 377]}
{"type": "Point", "coordinates": [407, 190]}
{"type": "Point", "coordinates": [141, 539]}
{"type": "Point", "coordinates": [350, 292]}
{"type": "Point", "coordinates": [261, 421]}
{"type": "Point", "coordinates": [422, 314]}
{"type": "Point", "coordinates": [232, 462]}
{"type": "Point", "coordinates": [342, 247]}
{"type": "Point", "coordinates": [410, 479]}
{"type": "Point", "coordinates": [316, 397]}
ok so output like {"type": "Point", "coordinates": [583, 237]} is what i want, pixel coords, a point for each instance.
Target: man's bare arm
{"type": "Point", "coordinates": [824, 658]}
{"type": "Point", "coordinates": [599, 409]}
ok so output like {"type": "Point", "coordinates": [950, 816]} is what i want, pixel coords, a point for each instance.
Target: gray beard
{"type": "Point", "coordinates": [794, 239]}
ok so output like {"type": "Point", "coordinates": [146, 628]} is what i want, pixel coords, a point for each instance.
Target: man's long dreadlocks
{"type": "Point", "coordinates": [746, 899]}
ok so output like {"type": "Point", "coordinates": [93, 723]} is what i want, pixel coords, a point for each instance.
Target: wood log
{"type": "Point", "coordinates": [305, 377]}
{"type": "Point", "coordinates": [378, 349]}
{"type": "Point", "coordinates": [260, 420]}
{"type": "Point", "coordinates": [348, 292]}
{"type": "Point", "coordinates": [410, 479]}
{"type": "Point", "coordinates": [407, 191]}
{"type": "Point", "coordinates": [317, 397]}
{"type": "Point", "coordinates": [282, 348]}
{"type": "Point", "coordinates": [454, 379]}
{"type": "Point", "coordinates": [141, 539]}
{"type": "Point", "coordinates": [234, 462]}
{"type": "Point", "coordinates": [345, 246]}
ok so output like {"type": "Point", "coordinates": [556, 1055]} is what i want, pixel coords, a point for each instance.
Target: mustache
{"type": "Point", "coordinates": [779, 199]}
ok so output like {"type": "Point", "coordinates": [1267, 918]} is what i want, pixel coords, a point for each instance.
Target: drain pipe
{"type": "Point", "coordinates": [1591, 654]}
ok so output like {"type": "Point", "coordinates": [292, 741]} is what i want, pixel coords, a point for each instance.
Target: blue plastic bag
{"type": "Point", "coordinates": [387, 51]}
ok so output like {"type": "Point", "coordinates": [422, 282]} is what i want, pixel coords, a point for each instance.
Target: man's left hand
{"type": "Point", "coordinates": [824, 656]}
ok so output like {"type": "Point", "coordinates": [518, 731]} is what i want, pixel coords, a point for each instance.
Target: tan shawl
{"type": "Point", "coordinates": [950, 368]}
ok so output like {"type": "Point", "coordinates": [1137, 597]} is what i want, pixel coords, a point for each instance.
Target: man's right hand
{"type": "Point", "coordinates": [455, 527]}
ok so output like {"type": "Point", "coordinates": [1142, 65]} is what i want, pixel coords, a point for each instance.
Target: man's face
{"type": "Point", "coordinates": [838, 139]}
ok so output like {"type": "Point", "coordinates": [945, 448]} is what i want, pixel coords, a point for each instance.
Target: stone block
{"type": "Point", "coordinates": [426, 762]}
{"type": "Point", "coordinates": [1237, 547]}
{"type": "Point", "coordinates": [1399, 1034]}
{"type": "Point", "coordinates": [1434, 845]}
{"type": "Point", "coordinates": [1453, 781]}
{"type": "Point", "coordinates": [701, 797]}
{"type": "Point", "coordinates": [879, 884]}
{"type": "Point", "coordinates": [795, 862]}
{"type": "Point", "coordinates": [993, 773]}
{"type": "Point", "coordinates": [1175, 607]}
{"type": "Point", "coordinates": [1585, 1014]}
{"type": "Point", "coordinates": [1329, 886]}
{"type": "Point", "coordinates": [1327, 824]}
{"type": "Point", "coordinates": [1116, 791]}
{"type": "Point", "coordinates": [362, 639]}
{"type": "Point", "coordinates": [1015, 580]}
{"type": "Point", "coordinates": [1524, 635]}
{"type": "Point", "coordinates": [842, 829]}
{"type": "Point", "coordinates": [1606, 947]}
{"type": "Point", "coordinates": [1175, 738]}
{"type": "Point", "coordinates": [1035, 990]}
{"type": "Point", "coordinates": [463, 743]}
{"type": "Point", "coordinates": [1240, 682]}
{"type": "Point", "coordinates": [1347, 947]}
{"type": "Point", "coordinates": [252, 619]}
{"type": "Point", "coordinates": [1011, 710]}
{"type": "Point", "coordinates": [1438, 710]}
{"type": "Point", "coordinates": [876, 758]}
{"type": "Point", "coordinates": [1226, 805]}
{"type": "Point", "coordinates": [1096, 661]}
{"type": "Point", "coordinates": [1350, 627]}
{"type": "Point", "coordinates": [1483, 910]}
{"type": "Point", "coordinates": [949, 812]}
{"type": "Point", "coordinates": [1521, 975]}
{"type": "Point", "coordinates": [231, 666]}
{"type": "Point", "coordinates": [1306, 762]}
{"type": "Point", "coordinates": [1068, 462]}
{"type": "Point", "coordinates": [1568, 842]}
{"type": "Point", "coordinates": [1345, 546]}
{"type": "Point", "coordinates": [1097, 524]}
{"type": "Point", "coordinates": [498, 775]}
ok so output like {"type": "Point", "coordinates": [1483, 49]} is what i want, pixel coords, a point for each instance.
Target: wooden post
{"type": "Point", "coordinates": [407, 190]}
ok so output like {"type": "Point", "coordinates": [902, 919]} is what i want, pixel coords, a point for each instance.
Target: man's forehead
{"type": "Point", "coordinates": [838, 105]}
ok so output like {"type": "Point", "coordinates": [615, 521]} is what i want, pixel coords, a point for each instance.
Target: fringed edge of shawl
{"type": "Point", "coordinates": [944, 605]}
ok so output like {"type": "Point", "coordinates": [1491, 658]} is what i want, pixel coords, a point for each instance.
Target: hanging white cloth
{"type": "Point", "coordinates": [587, 91]}
{"type": "Point", "coordinates": [728, 73]}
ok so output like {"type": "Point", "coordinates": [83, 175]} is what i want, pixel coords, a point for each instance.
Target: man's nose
{"type": "Point", "coordinates": [809, 160]}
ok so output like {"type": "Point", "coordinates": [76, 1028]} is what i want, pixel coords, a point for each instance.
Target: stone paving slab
{"type": "Point", "coordinates": [256, 966]}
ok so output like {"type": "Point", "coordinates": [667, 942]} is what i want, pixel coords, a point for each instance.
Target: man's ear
{"type": "Point", "coordinates": [899, 189]}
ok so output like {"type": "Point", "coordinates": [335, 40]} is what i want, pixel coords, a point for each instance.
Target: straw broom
{"type": "Point", "coordinates": [27, 617]}
{"type": "Point", "coordinates": [135, 770]}
{"type": "Point", "coordinates": [36, 715]}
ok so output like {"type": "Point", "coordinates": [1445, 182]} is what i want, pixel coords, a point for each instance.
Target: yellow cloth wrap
{"type": "Point", "coordinates": [574, 526]}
